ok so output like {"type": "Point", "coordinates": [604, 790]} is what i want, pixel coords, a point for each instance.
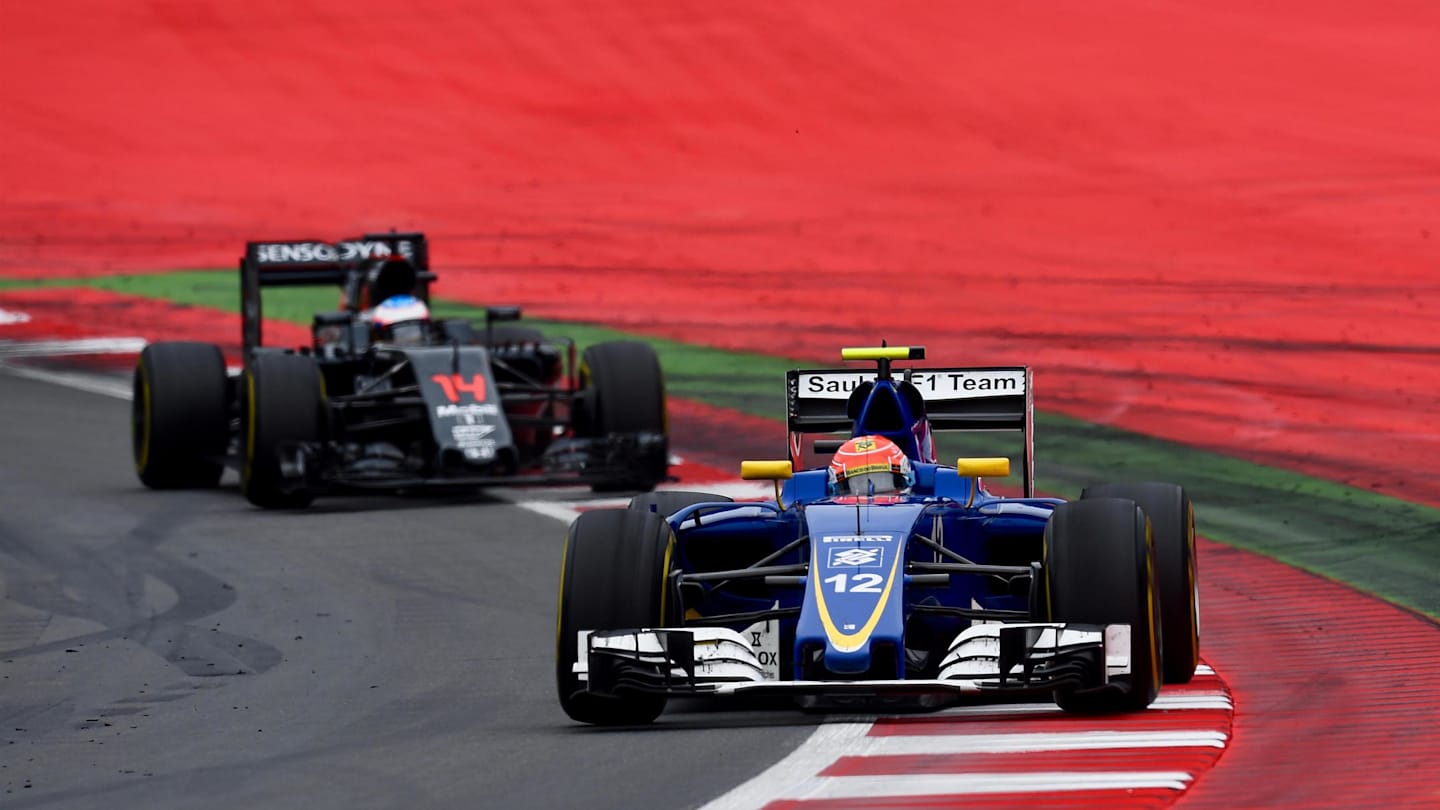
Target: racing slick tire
{"type": "Point", "coordinates": [1172, 526]}
{"type": "Point", "coordinates": [671, 501]}
{"type": "Point", "coordinates": [180, 415]}
{"type": "Point", "coordinates": [1099, 568]}
{"type": "Point", "coordinates": [624, 393]}
{"type": "Point", "coordinates": [615, 575]}
{"type": "Point", "coordinates": [283, 401]}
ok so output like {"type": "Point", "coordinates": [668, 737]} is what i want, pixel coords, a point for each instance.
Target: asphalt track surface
{"type": "Point", "coordinates": [185, 649]}
{"type": "Point", "coordinates": [175, 649]}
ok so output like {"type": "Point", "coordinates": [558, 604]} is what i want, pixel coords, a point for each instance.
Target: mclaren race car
{"type": "Point", "coordinates": [387, 398]}
{"type": "Point", "coordinates": [881, 578]}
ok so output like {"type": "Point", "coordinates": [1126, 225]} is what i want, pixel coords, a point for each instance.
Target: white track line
{"type": "Point", "coordinates": [563, 512]}
{"type": "Point", "coordinates": [57, 348]}
{"type": "Point", "coordinates": [1215, 701]}
{"type": "Point", "coordinates": [91, 383]}
{"type": "Point", "coordinates": [80, 381]}
{"type": "Point", "coordinates": [1022, 742]}
{"type": "Point", "coordinates": [11, 316]}
{"type": "Point", "coordinates": [868, 787]}
{"type": "Point", "coordinates": [794, 776]}
{"type": "Point", "coordinates": [791, 774]}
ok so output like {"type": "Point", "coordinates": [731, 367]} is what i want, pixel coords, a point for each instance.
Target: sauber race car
{"type": "Point", "coordinates": [881, 578]}
{"type": "Point", "coordinates": [387, 398]}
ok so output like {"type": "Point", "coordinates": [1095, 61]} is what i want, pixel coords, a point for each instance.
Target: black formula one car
{"type": "Point", "coordinates": [386, 398]}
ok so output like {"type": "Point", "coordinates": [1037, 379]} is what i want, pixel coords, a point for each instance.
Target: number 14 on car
{"type": "Point", "coordinates": [454, 385]}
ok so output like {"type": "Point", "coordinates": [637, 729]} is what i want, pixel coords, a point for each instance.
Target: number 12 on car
{"type": "Point", "coordinates": [855, 583]}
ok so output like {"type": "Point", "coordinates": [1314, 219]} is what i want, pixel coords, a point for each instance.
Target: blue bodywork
{"type": "Point", "coordinates": [865, 588]}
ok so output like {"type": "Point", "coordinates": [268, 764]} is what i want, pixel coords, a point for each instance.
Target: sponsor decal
{"type": "Point", "coordinates": [467, 437]}
{"type": "Point", "coordinates": [324, 252]}
{"type": "Point", "coordinates": [952, 384]}
{"type": "Point", "coordinates": [864, 557]}
{"type": "Point", "coordinates": [857, 538]}
{"type": "Point", "coordinates": [455, 384]}
{"type": "Point", "coordinates": [936, 384]}
{"type": "Point", "coordinates": [831, 386]}
{"type": "Point", "coordinates": [466, 411]}
{"type": "Point", "coordinates": [764, 638]}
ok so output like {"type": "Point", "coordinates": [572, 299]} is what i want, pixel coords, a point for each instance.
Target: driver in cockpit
{"type": "Point", "coordinates": [866, 466]}
{"type": "Point", "coordinates": [403, 320]}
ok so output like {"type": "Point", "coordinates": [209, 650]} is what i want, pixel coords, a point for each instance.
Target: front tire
{"type": "Point", "coordinates": [1099, 568]}
{"type": "Point", "coordinates": [283, 407]}
{"type": "Point", "coordinates": [1172, 524]}
{"type": "Point", "coordinates": [180, 415]}
{"type": "Point", "coordinates": [614, 576]}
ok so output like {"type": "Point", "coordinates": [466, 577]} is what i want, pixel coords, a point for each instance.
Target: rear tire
{"type": "Point", "coordinates": [614, 576]}
{"type": "Point", "coordinates": [624, 393]}
{"type": "Point", "coordinates": [180, 415]}
{"type": "Point", "coordinates": [1172, 525]}
{"type": "Point", "coordinates": [1099, 569]}
{"type": "Point", "coordinates": [283, 406]}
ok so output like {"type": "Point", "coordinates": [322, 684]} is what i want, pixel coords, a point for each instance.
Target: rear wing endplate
{"type": "Point", "coordinates": [986, 398]}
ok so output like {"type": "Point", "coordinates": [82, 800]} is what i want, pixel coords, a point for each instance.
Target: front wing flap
{"type": "Point", "coordinates": [998, 659]}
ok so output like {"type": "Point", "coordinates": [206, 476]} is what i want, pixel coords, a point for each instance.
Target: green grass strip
{"type": "Point", "coordinates": [1376, 543]}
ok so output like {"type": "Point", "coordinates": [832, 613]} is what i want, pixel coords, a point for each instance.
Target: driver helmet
{"type": "Point", "coordinates": [401, 319]}
{"type": "Point", "coordinates": [870, 465]}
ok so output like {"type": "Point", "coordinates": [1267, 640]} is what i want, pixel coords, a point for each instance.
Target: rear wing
{"type": "Point", "coordinates": [988, 398]}
{"type": "Point", "coordinates": [309, 262]}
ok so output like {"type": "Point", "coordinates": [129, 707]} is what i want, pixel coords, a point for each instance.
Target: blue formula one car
{"type": "Point", "coordinates": [883, 578]}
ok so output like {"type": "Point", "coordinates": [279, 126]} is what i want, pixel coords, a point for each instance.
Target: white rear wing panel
{"type": "Point", "coordinates": [979, 398]}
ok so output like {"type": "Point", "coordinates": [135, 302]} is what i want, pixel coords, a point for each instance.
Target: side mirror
{"type": "Point", "coordinates": [982, 467]}
{"type": "Point", "coordinates": [776, 471]}
{"type": "Point", "coordinates": [502, 314]}
{"type": "Point", "coordinates": [766, 470]}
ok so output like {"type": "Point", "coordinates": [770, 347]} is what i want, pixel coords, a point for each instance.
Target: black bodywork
{"type": "Point", "coordinates": [456, 404]}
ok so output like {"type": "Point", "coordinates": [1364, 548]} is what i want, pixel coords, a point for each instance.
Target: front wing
{"type": "Point", "coordinates": [984, 659]}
